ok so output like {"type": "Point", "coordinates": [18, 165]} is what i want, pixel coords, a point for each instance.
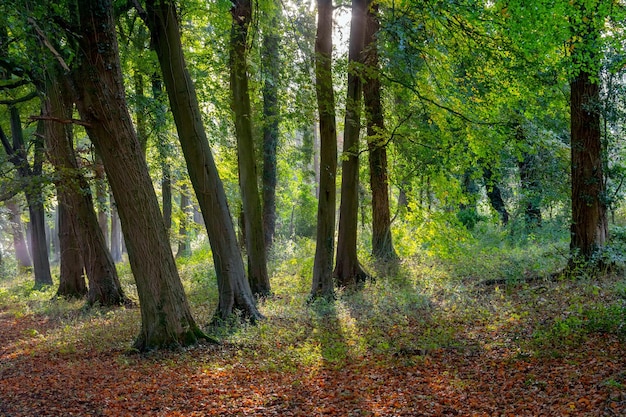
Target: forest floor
{"type": "Point", "coordinates": [395, 348]}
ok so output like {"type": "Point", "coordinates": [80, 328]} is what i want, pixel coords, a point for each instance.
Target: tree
{"type": "Point", "coordinates": [33, 191]}
{"type": "Point", "coordinates": [100, 99]}
{"type": "Point", "coordinates": [234, 289]}
{"type": "Point", "coordinates": [75, 198]}
{"type": "Point", "coordinates": [348, 271]}
{"type": "Point", "coordinates": [589, 229]}
{"type": "Point", "coordinates": [241, 12]}
{"type": "Point", "coordinates": [322, 285]}
{"type": "Point", "coordinates": [382, 244]}
{"type": "Point", "coordinates": [270, 64]}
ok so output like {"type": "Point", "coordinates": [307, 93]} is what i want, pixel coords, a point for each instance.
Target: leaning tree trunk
{"type": "Point", "coordinates": [348, 271]}
{"type": "Point", "coordinates": [76, 200]}
{"type": "Point", "coordinates": [382, 245]}
{"type": "Point", "coordinates": [251, 202]}
{"type": "Point", "coordinates": [234, 289]}
{"type": "Point", "coordinates": [270, 62]}
{"type": "Point", "coordinates": [589, 229]}
{"type": "Point", "coordinates": [322, 285]}
{"type": "Point", "coordinates": [166, 317]}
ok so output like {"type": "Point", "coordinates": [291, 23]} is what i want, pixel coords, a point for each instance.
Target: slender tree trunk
{"type": "Point", "coordinates": [166, 317]}
{"type": "Point", "coordinates": [184, 246]}
{"type": "Point", "coordinates": [322, 285]}
{"type": "Point", "coordinates": [529, 185]}
{"type": "Point", "coordinates": [234, 289]}
{"type": "Point", "coordinates": [19, 240]}
{"type": "Point", "coordinates": [33, 193]}
{"type": "Point", "coordinates": [589, 229]}
{"type": "Point", "coordinates": [75, 198]}
{"type": "Point", "coordinates": [116, 232]}
{"type": "Point", "coordinates": [71, 279]}
{"type": "Point", "coordinates": [348, 271]}
{"type": "Point", "coordinates": [163, 147]}
{"type": "Point", "coordinates": [101, 196]}
{"type": "Point", "coordinates": [251, 202]}
{"type": "Point", "coordinates": [270, 61]}
{"type": "Point", "coordinates": [382, 245]}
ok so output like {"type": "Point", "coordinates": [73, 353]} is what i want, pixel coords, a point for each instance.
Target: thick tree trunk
{"type": "Point", "coordinates": [322, 285]}
{"type": "Point", "coordinates": [19, 240]}
{"type": "Point", "coordinates": [348, 271]}
{"type": "Point", "coordinates": [589, 229]}
{"type": "Point", "coordinates": [184, 246]}
{"type": "Point", "coordinates": [251, 202]}
{"type": "Point", "coordinates": [75, 198]}
{"type": "Point", "coordinates": [166, 317]}
{"type": "Point", "coordinates": [382, 245]}
{"type": "Point", "coordinates": [71, 279]}
{"type": "Point", "coordinates": [234, 289]}
{"type": "Point", "coordinates": [270, 61]}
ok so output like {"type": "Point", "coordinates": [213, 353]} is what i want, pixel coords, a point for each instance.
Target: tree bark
{"type": "Point", "coordinates": [234, 289]}
{"type": "Point", "coordinates": [164, 149]}
{"type": "Point", "coordinates": [348, 271]}
{"type": "Point", "coordinates": [255, 239]}
{"type": "Point", "coordinates": [71, 279]}
{"type": "Point", "coordinates": [382, 244]}
{"type": "Point", "coordinates": [166, 317]}
{"type": "Point", "coordinates": [75, 197]}
{"type": "Point", "coordinates": [101, 196]}
{"type": "Point", "coordinates": [270, 62]}
{"type": "Point", "coordinates": [589, 229]}
{"type": "Point", "coordinates": [322, 285]}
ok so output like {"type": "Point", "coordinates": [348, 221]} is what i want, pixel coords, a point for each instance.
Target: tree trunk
{"type": "Point", "coordinates": [495, 195]}
{"type": "Point", "coordinates": [251, 202]}
{"type": "Point", "coordinates": [164, 149]}
{"type": "Point", "coordinates": [270, 62]}
{"type": "Point", "coordinates": [166, 317]}
{"type": "Point", "coordinates": [322, 285]}
{"type": "Point", "coordinates": [71, 279]}
{"type": "Point", "coordinates": [101, 197]}
{"type": "Point", "coordinates": [33, 193]}
{"type": "Point", "coordinates": [116, 232]}
{"type": "Point", "coordinates": [234, 289]}
{"type": "Point", "coordinates": [75, 198]}
{"type": "Point", "coordinates": [529, 184]}
{"type": "Point", "coordinates": [589, 229]}
{"type": "Point", "coordinates": [348, 271]}
{"type": "Point", "coordinates": [382, 245]}
{"type": "Point", "coordinates": [19, 240]}
{"type": "Point", "coordinates": [184, 246]}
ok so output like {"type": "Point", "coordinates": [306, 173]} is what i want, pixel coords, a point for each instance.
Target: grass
{"type": "Point", "coordinates": [424, 304]}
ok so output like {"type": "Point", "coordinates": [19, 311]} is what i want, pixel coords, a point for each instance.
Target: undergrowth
{"type": "Point", "coordinates": [432, 300]}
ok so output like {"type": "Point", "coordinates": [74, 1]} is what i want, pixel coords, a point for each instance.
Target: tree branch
{"type": "Point", "coordinates": [19, 100]}
{"type": "Point", "coordinates": [59, 120]}
{"type": "Point", "coordinates": [47, 44]}
{"type": "Point", "coordinates": [15, 84]}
